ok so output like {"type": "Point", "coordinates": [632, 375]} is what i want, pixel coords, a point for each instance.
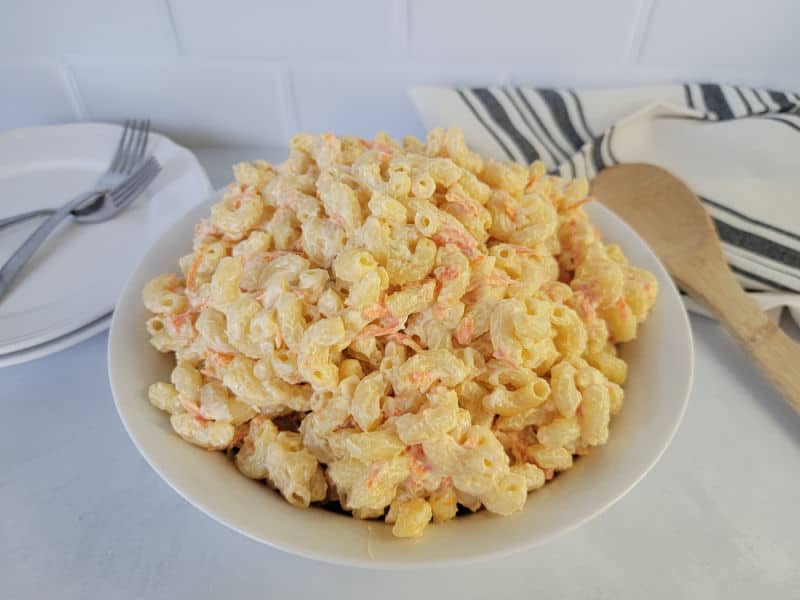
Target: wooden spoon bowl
{"type": "Point", "coordinates": [669, 216]}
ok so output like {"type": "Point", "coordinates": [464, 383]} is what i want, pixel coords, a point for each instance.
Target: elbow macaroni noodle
{"type": "Point", "coordinates": [400, 327]}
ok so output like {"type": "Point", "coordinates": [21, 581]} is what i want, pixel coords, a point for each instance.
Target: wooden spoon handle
{"type": "Point", "coordinates": [774, 352]}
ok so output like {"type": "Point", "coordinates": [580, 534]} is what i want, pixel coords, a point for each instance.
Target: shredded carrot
{"type": "Point", "coordinates": [580, 203]}
{"type": "Point", "coordinates": [470, 443]}
{"type": "Point", "coordinates": [498, 277]}
{"type": "Point", "coordinates": [502, 356]}
{"type": "Point", "coordinates": [191, 407]}
{"type": "Point", "coordinates": [416, 451]}
{"type": "Point", "coordinates": [446, 273]}
{"type": "Point", "coordinates": [463, 332]}
{"type": "Point", "coordinates": [418, 376]}
{"type": "Point", "coordinates": [509, 209]}
{"type": "Point", "coordinates": [373, 473]}
{"type": "Point", "coordinates": [382, 148]}
{"type": "Point", "coordinates": [375, 311]}
{"type": "Point", "coordinates": [467, 204]}
{"type": "Point", "coordinates": [267, 257]}
{"type": "Point", "coordinates": [402, 338]}
{"type": "Point", "coordinates": [392, 325]}
{"type": "Point", "coordinates": [348, 423]}
{"type": "Point", "coordinates": [220, 357]}
{"type": "Point", "coordinates": [191, 275]}
{"type": "Point", "coordinates": [523, 249]}
{"type": "Point", "coordinates": [450, 234]}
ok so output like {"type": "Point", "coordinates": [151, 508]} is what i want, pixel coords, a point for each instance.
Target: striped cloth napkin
{"type": "Point", "coordinates": [738, 148]}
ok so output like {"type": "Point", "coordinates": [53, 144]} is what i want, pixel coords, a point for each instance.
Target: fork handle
{"type": "Point", "coordinates": [23, 254]}
{"type": "Point", "coordinates": [33, 214]}
{"type": "Point", "coordinates": [46, 212]}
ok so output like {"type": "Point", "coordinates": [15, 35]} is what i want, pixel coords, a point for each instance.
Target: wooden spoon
{"type": "Point", "coordinates": [668, 215]}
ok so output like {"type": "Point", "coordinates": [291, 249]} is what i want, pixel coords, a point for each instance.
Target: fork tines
{"type": "Point", "coordinates": [136, 182]}
{"type": "Point", "coordinates": [132, 146]}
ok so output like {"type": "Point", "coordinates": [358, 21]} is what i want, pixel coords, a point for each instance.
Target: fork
{"type": "Point", "coordinates": [131, 148]}
{"type": "Point", "coordinates": [130, 151]}
{"type": "Point", "coordinates": [113, 202]}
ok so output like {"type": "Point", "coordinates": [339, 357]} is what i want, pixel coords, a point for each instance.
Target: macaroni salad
{"type": "Point", "coordinates": [400, 328]}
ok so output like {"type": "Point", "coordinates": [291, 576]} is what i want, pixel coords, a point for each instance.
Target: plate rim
{"type": "Point", "coordinates": [64, 342]}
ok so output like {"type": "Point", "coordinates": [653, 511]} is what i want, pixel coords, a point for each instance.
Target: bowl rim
{"type": "Point", "coordinates": [331, 557]}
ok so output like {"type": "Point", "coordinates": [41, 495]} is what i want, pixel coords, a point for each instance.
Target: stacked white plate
{"type": "Point", "coordinates": [68, 291]}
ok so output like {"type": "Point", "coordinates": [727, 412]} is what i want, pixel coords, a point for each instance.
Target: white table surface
{"type": "Point", "coordinates": [83, 516]}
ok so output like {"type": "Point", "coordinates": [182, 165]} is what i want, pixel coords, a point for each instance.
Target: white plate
{"type": "Point", "coordinates": [77, 275]}
{"type": "Point", "coordinates": [56, 345]}
{"type": "Point", "coordinates": [661, 362]}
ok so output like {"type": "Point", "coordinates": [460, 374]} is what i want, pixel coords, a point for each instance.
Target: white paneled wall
{"type": "Point", "coordinates": [558, 31]}
{"type": "Point", "coordinates": [252, 72]}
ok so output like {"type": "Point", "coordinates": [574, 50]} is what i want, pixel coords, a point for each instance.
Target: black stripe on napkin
{"type": "Point", "coordinates": [481, 120]}
{"type": "Point", "coordinates": [558, 108]}
{"type": "Point", "coordinates": [766, 99]}
{"type": "Point", "coordinates": [610, 136]}
{"type": "Point", "coordinates": [782, 100]}
{"type": "Point", "coordinates": [597, 154]}
{"type": "Point", "coordinates": [568, 152]}
{"type": "Point", "coordinates": [581, 114]}
{"type": "Point", "coordinates": [501, 118]}
{"type": "Point", "coordinates": [784, 121]}
{"type": "Point", "coordinates": [599, 146]}
{"type": "Point", "coordinates": [687, 91]}
{"type": "Point", "coordinates": [749, 108]}
{"type": "Point", "coordinates": [772, 284]}
{"type": "Point", "coordinates": [751, 285]}
{"type": "Point", "coordinates": [748, 218]}
{"type": "Point", "coordinates": [758, 290]}
{"type": "Point", "coordinates": [757, 244]}
{"type": "Point", "coordinates": [761, 101]}
{"type": "Point", "coordinates": [715, 101]}
{"type": "Point", "coordinates": [735, 101]}
{"type": "Point", "coordinates": [536, 137]}
{"type": "Point", "coordinates": [550, 142]}
{"type": "Point", "coordinates": [692, 103]}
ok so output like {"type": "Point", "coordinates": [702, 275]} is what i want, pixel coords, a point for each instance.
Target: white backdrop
{"type": "Point", "coordinates": [252, 72]}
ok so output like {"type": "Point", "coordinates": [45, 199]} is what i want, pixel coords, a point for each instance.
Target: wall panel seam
{"type": "Point", "coordinates": [174, 26]}
{"type": "Point", "coordinates": [75, 95]}
{"type": "Point", "coordinates": [640, 30]}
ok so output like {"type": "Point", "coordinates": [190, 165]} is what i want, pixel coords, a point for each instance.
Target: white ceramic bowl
{"type": "Point", "coordinates": [657, 391]}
